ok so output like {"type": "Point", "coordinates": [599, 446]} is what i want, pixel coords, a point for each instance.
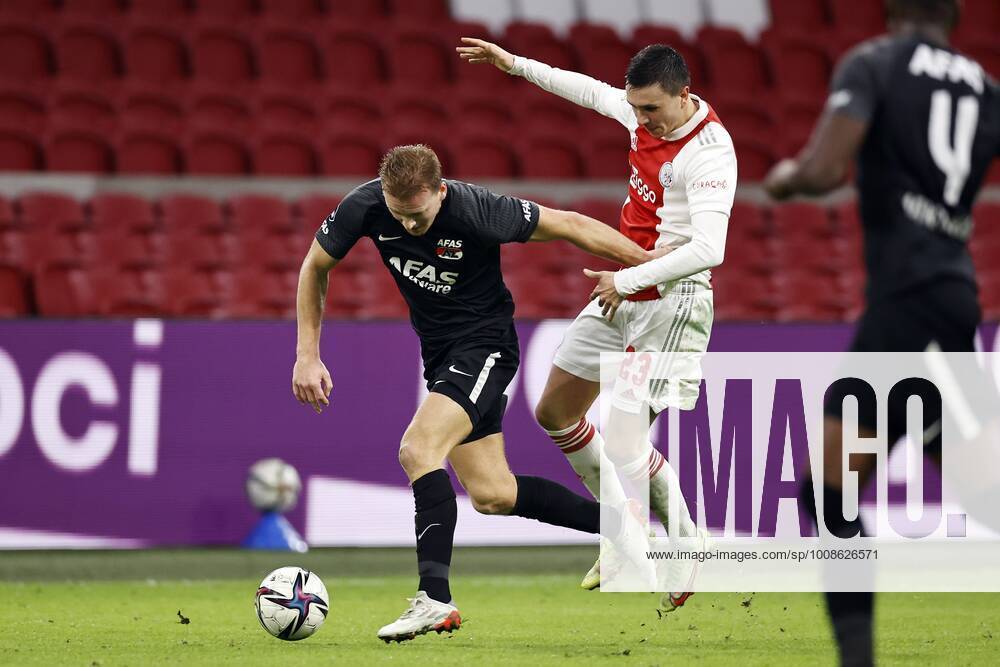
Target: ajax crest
{"type": "Point", "coordinates": [667, 175]}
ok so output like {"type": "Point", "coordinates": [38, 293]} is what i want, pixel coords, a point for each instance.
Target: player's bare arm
{"type": "Point", "coordinates": [590, 235]}
{"type": "Point", "coordinates": [478, 51]}
{"type": "Point", "coordinates": [311, 381]}
{"type": "Point", "coordinates": [823, 164]}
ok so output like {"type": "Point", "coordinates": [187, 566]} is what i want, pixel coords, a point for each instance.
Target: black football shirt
{"type": "Point", "coordinates": [450, 276]}
{"type": "Point", "coordinates": [934, 128]}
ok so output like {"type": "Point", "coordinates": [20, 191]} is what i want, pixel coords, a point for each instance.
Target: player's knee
{"type": "Point", "coordinates": [416, 453]}
{"type": "Point", "coordinates": [551, 417]}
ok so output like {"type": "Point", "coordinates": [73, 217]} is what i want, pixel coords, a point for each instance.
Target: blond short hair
{"type": "Point", "coordinates": [406, 170]}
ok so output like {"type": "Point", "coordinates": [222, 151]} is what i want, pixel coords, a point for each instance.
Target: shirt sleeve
{"type": "Point", "coordinates": [854, 89]}
{"type": "Point", "coordinates": [710, 174]}
{"type": "Point", "coordinates": [577, 88]}
{"type": "Point", "coordinates": [705, 250]}
{"type": "Point", "coordinates": [504, 219]}
{"type": "Point", "coordinates": [342, 228]}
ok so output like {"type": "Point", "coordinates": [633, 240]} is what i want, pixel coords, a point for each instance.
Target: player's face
{"type": "Point", "coordinates": [416, 213]}
{"type": "Point", "coordinates": [657, 110]}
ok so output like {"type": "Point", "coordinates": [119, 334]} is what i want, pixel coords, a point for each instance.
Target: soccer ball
{"type": "Point", "coordinates": [273, 485]}
{"type": "Point", "coordinates": [292, 603]}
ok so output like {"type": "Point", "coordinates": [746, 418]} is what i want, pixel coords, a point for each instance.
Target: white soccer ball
{"type": "Point", "coordinates": [292, 603]}
{"type": "Point", "coordinates": [273, 485]}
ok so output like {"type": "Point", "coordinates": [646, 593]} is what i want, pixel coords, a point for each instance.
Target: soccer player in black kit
{"type": "Point", "coordinates": [440, 240]}
{"type": "Point", "coordinates": [923, 122]}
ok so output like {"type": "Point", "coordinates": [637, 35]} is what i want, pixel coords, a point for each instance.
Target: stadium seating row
{"type": "Point", "coordinates": [188, 255]}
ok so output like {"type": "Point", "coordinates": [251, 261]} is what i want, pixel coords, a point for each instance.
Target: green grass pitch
{"type": "Point", "coordinates": [521, 606]}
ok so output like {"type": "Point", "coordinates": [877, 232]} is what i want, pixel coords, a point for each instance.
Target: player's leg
{"type": "Point", "coordinates": [572, 386]}
{"type": "Point", "coordinates": [438, 425]}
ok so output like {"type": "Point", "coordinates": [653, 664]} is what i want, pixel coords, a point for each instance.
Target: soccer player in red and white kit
{"type": "Point", "coordinates": [681, 190]}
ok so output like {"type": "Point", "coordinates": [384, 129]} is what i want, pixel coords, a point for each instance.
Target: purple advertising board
{"type": "Point", "coordinates": [138, 433]}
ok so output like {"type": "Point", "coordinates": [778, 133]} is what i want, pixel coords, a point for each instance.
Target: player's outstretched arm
{"type": "Point", "coordinates": [311, 381]}
{"type": "Point", "coordinates": [823, 164]}
{"type": "Point", "coordinates": [588, 234]}
{"type": "Point", "coordinates": [573, 86]}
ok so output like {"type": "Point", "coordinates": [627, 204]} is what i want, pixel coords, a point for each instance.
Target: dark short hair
{"type": "Point", "coordinates": [941, 12]}
{"type": "Point", "coordinates": [406, 170]}
{"type": "Point", "coordinates": [658, 63]}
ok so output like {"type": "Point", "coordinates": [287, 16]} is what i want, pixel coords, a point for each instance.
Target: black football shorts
{"type": "Point", "coordinates": [474, 371]}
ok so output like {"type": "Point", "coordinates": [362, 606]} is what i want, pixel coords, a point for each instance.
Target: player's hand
{"type": "Point", "coordinates": [311, 383]}
{"type": "Point", "coordinates": [478, 51]}
{"type": "Point", "coordinates": [605, 292]}
{"type": "Point", "coordinates": [778, 181]}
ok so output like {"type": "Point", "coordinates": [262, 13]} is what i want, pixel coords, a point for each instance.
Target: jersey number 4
{"type": "Point", "coordinates": [954, 159]}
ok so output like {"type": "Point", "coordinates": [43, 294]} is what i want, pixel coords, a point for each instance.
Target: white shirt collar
{"type": "Point", "coordinates": [686, 129]}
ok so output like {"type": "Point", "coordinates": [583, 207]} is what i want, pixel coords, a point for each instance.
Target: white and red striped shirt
{"type": "Point", "coordinates": [690, 171]}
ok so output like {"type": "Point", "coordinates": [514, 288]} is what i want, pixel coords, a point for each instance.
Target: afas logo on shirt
{"type": "Point", "coordinates": [526, 208]}
{"type": "Point", "coordinates": [449, 249]}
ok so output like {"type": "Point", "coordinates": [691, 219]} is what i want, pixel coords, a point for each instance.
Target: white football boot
{"type": "Point", "coordinates": [613, 562]}
{"type": "Point", "coordinates": [680, 575]}
{"type": "Point", "coordinates": [422, 616]}
{"type": "Point", "coordinates": [630, 569]}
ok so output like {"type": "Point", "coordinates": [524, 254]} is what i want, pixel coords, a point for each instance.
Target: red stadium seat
{"type": "Point", "coordinates": [800, 220]}
{"type": "Point", "coordinates": [285, 152]}
{"type": "Point", "coordinates": [353, 57]}
{"type": "Point", "coordinates": [734, 65]}
{"type": "Point", "coordinates": [542, 112]}
{"type": "Point", "coordinates": [77, 147]}
{"type": "Point", "coordinates": [19, 151]}
{"type": "Point", "coordinates": [25, 52]}
{"type": "Point", "coordinates": [744, 118]}
{"type": "Point", "coordinates": [987, 220]}
{"type": "Point", "coordinates": [601, 52]}
{"type": "Point", "coordinates": [172, 9]}
{"type": "Point", "coordinates": [22, 108]}
{"type": "Point", "coordinates": [287, 54]}
{"type": "Point", "coordinates": [550, 157]}
{"type": "Point", "coordinates": [64, 248]}
{"type": "Point", "coordinates": [807, 296]}
{"type": "Point", "coordinates": [479, 111]}
{"type": "Point", "coordinates": [482, 155]}
{"type": "Point", "coordinates": [155, 53]}
{"type": "Point", "coordinates": [415, 107]}
{"type": "Point", "coordinates": [645, 34]}
{"type": "Point", "coordinates": [14, 296]}
{"type": "Point", "coordinates": [980, 21]}
{"type": "Point", "coordinates": [608, 211]}
{"type": "Point", "coordinates": [344, 111]}
{"type": "Point", "coordinates": [267, 294]}
{"type": "Point", "coordinates": [755, 156]}
{"type": "Point", "coordinates": [606, 157]}
{"type": "Point", "coordinates": [293, 9]}
{"type": "Point", "coordinates": [261, 214]}
{"type": "Point", "coordinates": [860, 18]}
{"type": "Point", "coordinates": [359, 9]}
{"type": "Point", "coordinates": [67, 291]}
{"type": "Point", "coordinates": [349, 154]}
{"type": "Point", "coordinates": [33, 9]}
{"type": "Point", "coordinates": [130, 249]}
{"type": "Point", "coordinates": [77, 103]}
{"type": "Point", "coordinates": [282, 108]}
{"type": "Point", "coordinates": [537, 41]}
{"type": "Point", "coordinates": [226, 9]}
{"type": "Point", "coordinates": [14, 248]}
{"type": "Point", "coordinates": [422, 55]}
{"type": "Point", "coordinates": [312, 210]}
{"type": "Point", "coordinates": [192, 214]}
{"type": "Point", "coordinates": [987, 53]}
{"type": "Point", "coordinates": [799, 64]}
{"type": "Point", "coordinates": [210, 108]}
{"type": "Point", "coordinates": [120, 211]}
{"type": "Point", "coordinates": [87, 51]}
{"type": "Point", "coordinates": [745, 297]}
{"type": "Point", "coordinates": [148, 151]}
{"type": "Point", "coordinates": [221, 54]}
{"type": "Point", "coordinates": [51, 212]}
{"type": "Point", "coordinates": [204, 294]}
{"type": "Point", "coordinates": [422, 11]}
{"type": "Point", "coordinates": [132, 293]}
{"type": "Point", "coordinates": [798, 118]}
{"type": "Point", "coordinates": [95, 8]}
{"type": "Point", "coordinates": [799, 16]}
{"type": "Point", "coordinates": [216, 151]}
{"type": "Point", "coordinates": [7, 219]}
{"type": "Point", "coordinates": [748, 221]}
{"type": "Point", "coordinates": [149, 106]}
{"type": "Point", "coordinates": [201, 251]}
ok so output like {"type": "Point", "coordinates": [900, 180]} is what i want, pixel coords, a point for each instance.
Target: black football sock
{"type": "Point", "coordinates": [546, 501]}
{"type": "Point", "coordinates": [851, 613]}
{"type": "Point", "coordinates": [435, 518]}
